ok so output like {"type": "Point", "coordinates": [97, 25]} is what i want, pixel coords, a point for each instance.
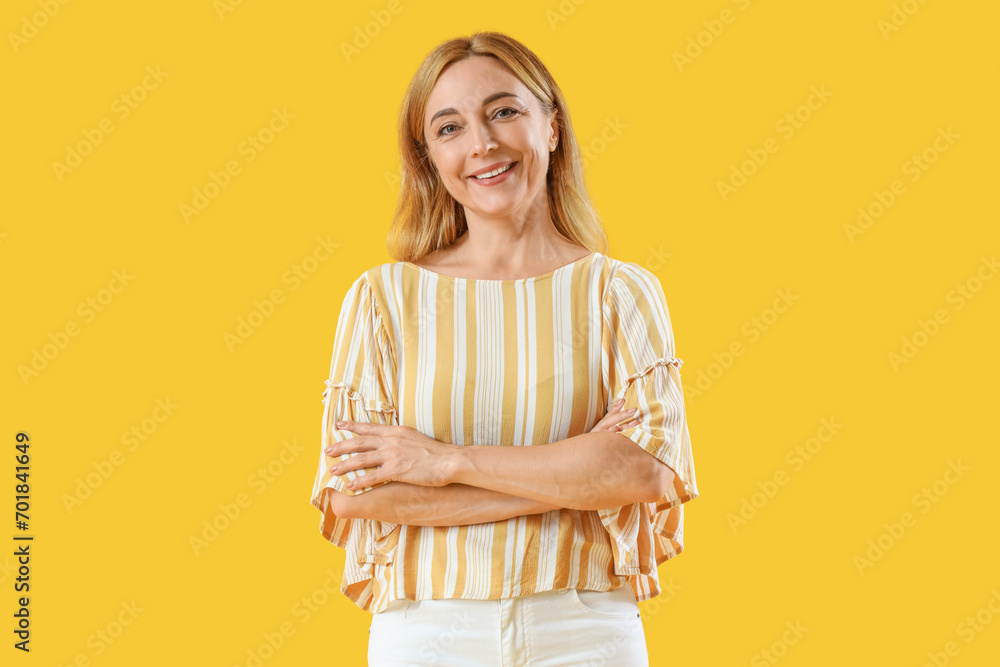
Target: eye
{"type": "Point", "coordinates": [514, 112]}
{"type": "Point", "coordinates": [441, 130]}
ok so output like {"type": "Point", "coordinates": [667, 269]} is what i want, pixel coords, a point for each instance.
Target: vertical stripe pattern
{"type": "Point", "coordinates": [507, 363]}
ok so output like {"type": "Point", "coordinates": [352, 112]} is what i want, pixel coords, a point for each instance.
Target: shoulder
{"type": "Point", "coordinates": [372, 275]}
{"type": "Point", "coordinates": [633, 292]}
{"type": "Point", "coordinates": [631, 277]}
{"type": "Point", "coordinates": [377, 278]}
{"type": "Point", "coordinates": [364, 290]}
{"type": "Point", "coordinates": [625, 270]}
{"type": "Point", "coordinates": [382, 285]}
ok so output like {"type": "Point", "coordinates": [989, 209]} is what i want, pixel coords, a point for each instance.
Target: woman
{"type": "Point", "coordinates": [488, 391]}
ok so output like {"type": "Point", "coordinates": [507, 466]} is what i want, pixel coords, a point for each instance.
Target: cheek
{"type": "Point", "coordinates": [449, 164]}
{"type": "Point", "coordinates": [539, 162]}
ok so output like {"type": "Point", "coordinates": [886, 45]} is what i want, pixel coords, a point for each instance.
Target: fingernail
{"type": "Point", "coordinates": [341, 424]}
{"type": "Point", "coordinates": [620, 402]}
{"type": "Point", "coordinates": [633, 410]}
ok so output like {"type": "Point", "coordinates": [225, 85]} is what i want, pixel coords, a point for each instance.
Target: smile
{"type": "Point", "coordinates": [495, 175]}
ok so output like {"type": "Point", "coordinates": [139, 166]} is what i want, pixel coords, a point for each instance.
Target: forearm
{"type": "Point", "coordinates": [591, 471]}
{"type": "Point", "coordinates": [450, 505]}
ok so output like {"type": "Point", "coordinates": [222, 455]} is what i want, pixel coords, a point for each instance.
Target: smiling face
{"type": "Point", "coordinates": [481, 117]}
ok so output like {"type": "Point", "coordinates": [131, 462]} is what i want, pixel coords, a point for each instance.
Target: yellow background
{"type": "Point", "coordinates": [329, 173]}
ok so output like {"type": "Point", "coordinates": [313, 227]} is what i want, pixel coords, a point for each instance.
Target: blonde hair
{"type": "Point", "coordinates": [427, 216]}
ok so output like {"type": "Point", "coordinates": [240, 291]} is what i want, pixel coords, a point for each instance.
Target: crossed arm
{"type": "Point", "coordinates": [595, 470]}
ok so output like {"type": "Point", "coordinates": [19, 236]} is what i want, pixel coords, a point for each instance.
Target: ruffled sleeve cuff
{"type": "Point", "coordinates": [643, 535]}
{"type": "Point", "coordinates": [349, 405]}
{"type": "Point", "coordinates": [367, 541]}
{"type": "Point", "coordinates": [662, 429]}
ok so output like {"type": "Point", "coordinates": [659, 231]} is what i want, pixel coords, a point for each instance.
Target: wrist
{"type": "Point", "coordinates": [457, 466]}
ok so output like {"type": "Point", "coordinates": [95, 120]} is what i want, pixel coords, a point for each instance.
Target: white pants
{"type": "Point", "coordinates": [564, 628]}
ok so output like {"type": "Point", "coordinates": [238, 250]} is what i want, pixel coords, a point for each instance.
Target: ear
{"type": "Point", "coordinates": [554, 124]}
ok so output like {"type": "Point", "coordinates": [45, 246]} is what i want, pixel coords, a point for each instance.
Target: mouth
{"type": "Point", "coordinates": [494, 176]}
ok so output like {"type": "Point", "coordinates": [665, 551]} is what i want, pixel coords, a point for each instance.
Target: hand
{"type": "Point", "coordinates": [401, 453]}
{"type": "Point", "coordinates": [610, 422]}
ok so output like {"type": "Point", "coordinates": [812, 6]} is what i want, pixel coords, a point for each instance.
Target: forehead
{"type": "Point", "coordinates": [464, 84]}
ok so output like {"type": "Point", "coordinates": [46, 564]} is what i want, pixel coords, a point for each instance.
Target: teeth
{"type": "Point", "coordinates": [499, 170]}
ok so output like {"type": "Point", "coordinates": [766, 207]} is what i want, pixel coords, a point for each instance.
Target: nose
{"type": "Point", "coordinates": [482, 139]}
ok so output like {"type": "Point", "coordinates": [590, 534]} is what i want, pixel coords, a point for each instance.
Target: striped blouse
{"type": "Point", "coordinates": [508, 363]}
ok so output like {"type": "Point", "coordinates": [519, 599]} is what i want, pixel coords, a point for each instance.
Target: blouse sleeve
{"type": "Point", "coordinates": [359, 389]}
{"type": "Point", "coordinates": [639, 365]}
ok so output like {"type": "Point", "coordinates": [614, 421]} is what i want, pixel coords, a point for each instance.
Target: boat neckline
{"type": "Point", "coordinates": [499, 281]}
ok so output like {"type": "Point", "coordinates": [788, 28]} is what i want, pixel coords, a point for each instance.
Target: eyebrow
{"type": "Point", "coordinates": [451, 110]}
